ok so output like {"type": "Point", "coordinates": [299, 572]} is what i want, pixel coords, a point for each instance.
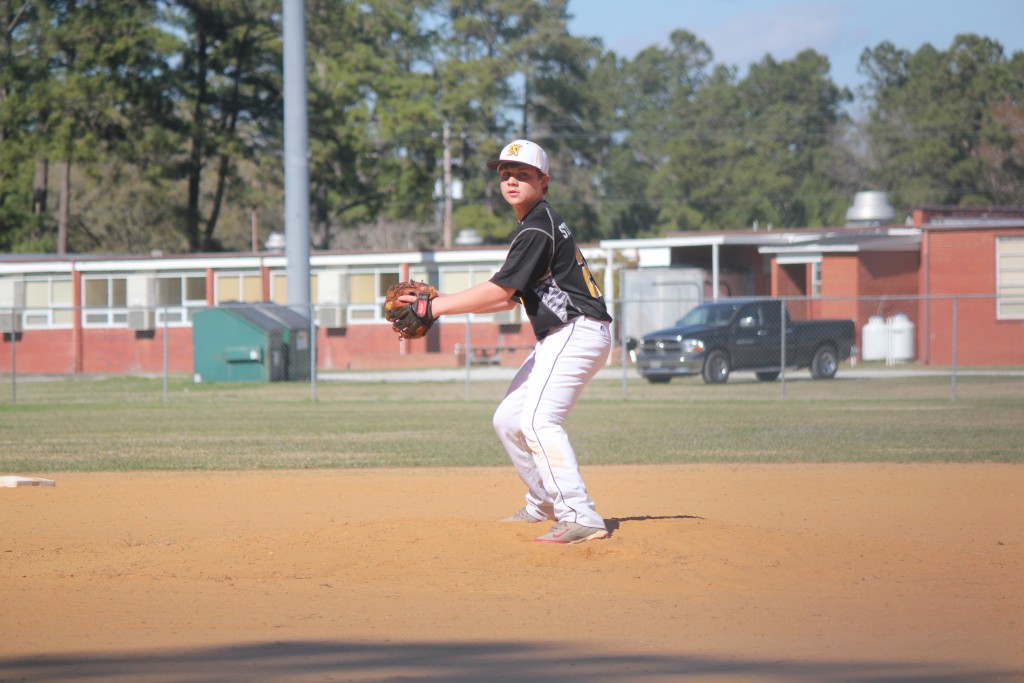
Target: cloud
{"type": "Point", "coordinates": [782, 31]}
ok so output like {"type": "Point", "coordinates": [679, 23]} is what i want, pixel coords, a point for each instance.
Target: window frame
{"type": "Point", "coordinates": [1015, 299]}
{"type": "Point", "coordinates": [43, 318]}
{"type": "Point", "coordinates": [178, 314]}
{"type": "Point", "coordinates": [368, 313]}
{"type": "Point", "coordinates": [241, 275]}
{"type": "Point", "coordinates": [111, 314]}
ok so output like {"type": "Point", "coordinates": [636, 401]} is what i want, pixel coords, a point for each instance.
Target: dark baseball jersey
{"type": "Point", "coordinates": [548, 272]}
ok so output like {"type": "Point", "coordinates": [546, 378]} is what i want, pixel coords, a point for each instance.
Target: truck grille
{"type": "Point", "coordinates": [661, 347]}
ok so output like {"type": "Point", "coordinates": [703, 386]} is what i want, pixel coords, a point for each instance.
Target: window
{"type": "Point", "coordinates": [816, 279]}
{"type": "Point", "coordinates": [48, 302]}
{"type": "Point", "coordinates": [279, 288]}
{"type": "Point", "coordinates": [366, 294]}
{"type": "Point", "coordinates": [460, 278]}
{"type": "Point", "coordinates": [243, 287]}
{"type": "Point", "coordinates": [105, 301]}
{"type": "Point", "coordinates": [178, 297]}
{"type": "Point", "coordinates": [362, 295]}
{"type": "Point", "coordinates": [1009, 278]}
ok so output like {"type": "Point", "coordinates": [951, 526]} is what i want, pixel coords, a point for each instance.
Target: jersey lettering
{"type": "Point", "coordinates": [587, 275]}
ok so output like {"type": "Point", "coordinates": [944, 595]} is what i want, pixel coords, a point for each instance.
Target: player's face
{"type": "Point", "coordinates": [522, 186]}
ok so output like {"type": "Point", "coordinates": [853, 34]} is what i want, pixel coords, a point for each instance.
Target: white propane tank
{"type": "Point", "coordinates": [874, 339]}
{"type": "Point", "coordinates": [901, 338]}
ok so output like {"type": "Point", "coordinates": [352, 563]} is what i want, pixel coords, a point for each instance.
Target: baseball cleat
{"type": "Point", "coordinates": [521, 515]}
{"type": "Point", "coordinates": [572, 533]}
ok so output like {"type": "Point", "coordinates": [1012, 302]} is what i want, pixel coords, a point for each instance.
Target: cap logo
{"type": "Point", "coordinates": [522, 152]}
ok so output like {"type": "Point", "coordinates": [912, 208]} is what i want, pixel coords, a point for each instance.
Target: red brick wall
{"type": "Point", "coordinates": [122, 351]}
{"type": "Point", "coordinates": [114, 351]}
{"type": "Point", "coordinates": [839, 278]}
{"type": "Point", "coordinates": [361, 347]}
{"type": "Point", "coordinates": [962, 262]}
{"type": "Point", "coordinates": [789, 280]}
{"type": "Point", "coordinates": [367, 347]}
{"type": "Point", "coordinates": [888, 272]}
{"type": "Point", "coordinates": [38, 352]}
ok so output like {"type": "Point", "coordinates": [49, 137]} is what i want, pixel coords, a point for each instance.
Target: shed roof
{"type": "Point", "coordinates": [268, 316]}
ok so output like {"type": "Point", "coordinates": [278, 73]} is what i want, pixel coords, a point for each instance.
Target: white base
{"type": "Point", "coordinates": [11, 481]}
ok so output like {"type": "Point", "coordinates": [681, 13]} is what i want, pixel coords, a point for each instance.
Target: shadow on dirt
{"type": "Point", "coordinates": [613, 523]}
{"type": "Point", "coordinates": [454, 662]}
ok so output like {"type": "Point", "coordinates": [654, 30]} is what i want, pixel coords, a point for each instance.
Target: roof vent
{"type": "Point", "coordinates": [469, 238]}
{"type": "Point", "coordinates": [870, 208]}
{"type": "Point", "coordinates": [275, 242]}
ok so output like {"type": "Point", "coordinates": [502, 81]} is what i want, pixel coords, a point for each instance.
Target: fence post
{"type": "Point", "coordinates": [14, 359]}
{"type": "Point", "coordinates": [469, 355]}
{"type": "Point", "coordinates": [624, 361]}
{"type": "Point", "coordinates": [312, 352]}
{"type": "Point", "coordinates": [956, 309]}
{"type": "Point", "coordinates": [165, 350]}
{"type": "Point", "coordinates": [782, 355]}
{"type": "Point", "coordinates": [620, 318]}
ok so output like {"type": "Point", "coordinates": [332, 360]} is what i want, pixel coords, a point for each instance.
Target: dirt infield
{"type": "Point", "coordinates": [712, 573]}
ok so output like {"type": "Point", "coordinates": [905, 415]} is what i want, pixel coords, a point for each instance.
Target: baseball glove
{"type": "Point", "coordinates": [410, 321]}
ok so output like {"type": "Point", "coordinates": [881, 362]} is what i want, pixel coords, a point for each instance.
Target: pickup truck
{"type": "Point", "coordinates": [716, 338]}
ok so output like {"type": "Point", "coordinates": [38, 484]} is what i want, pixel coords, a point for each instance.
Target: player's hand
{"type": "Point", "coordinates": [414, 319]}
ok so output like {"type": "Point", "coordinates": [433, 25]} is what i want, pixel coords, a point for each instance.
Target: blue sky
{"type": "Point", "coordinates": [740, 32]}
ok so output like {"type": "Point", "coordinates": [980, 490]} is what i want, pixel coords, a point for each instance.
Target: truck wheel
{"type": "Point", "coordinates": [825, 363]}
{"type": "Point", "coordinates": [659, 379]}
{"type": "Point", "coordinates": [767, 376]}
{"type": "Point", "coordinates": [716, 368]}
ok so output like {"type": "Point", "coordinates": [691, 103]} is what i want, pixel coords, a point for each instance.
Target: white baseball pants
{"type": "Point", "coordinates": [529, 419]}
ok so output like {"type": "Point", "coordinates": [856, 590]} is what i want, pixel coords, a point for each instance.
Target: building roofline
{"type": "Point", "coordinates": [881, 243]}
{"type": "Point", "coordinates": [707, 239]}
{"type": "Point", "coordinates": [972, 224]}
{"type": "Point", "coordinates": [771, 241]}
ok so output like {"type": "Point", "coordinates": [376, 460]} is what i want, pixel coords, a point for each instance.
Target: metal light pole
{"type": "Point", "coordinates": [296, 164]}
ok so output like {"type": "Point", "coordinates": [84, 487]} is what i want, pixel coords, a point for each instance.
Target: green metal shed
{"type": "Point", "coordinates": [296, 337]}
{"type": "Point", "coordinates": [238, 342]}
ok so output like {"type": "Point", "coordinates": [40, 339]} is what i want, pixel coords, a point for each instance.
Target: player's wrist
{"type": "Point", "coordinates": [436, 304]}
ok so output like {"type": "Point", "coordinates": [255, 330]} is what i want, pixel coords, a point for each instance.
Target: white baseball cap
{"type": "Point", "coordinates": [523, 152]}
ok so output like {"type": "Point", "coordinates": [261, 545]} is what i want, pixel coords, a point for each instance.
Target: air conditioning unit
{"type": "Point", "coordinates": [141, 290]}
{"type": "Point", "coordinates": [330, 317]}
{"type": "Point", "coordinates": [141, 319]}
{"type": "Point", "coordinates": [12, 293]}
{"type": "Point", "coordinates": [10, 321]}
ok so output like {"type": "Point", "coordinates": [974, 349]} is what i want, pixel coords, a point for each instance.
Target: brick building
{"type": "Point", "coordinates": [949, 268]}
{"type": "Point", "coordinates": [952, 268]}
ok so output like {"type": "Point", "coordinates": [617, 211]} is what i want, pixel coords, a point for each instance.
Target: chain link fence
{"type": "Point", "coordinates": [825, 342]}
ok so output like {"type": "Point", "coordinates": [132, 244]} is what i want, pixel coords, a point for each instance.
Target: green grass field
{"type": "Point", "coordinates": [122, 424]}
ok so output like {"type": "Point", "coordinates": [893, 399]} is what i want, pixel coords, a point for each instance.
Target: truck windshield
{"type": "Point", "coordinates": [714, 315]}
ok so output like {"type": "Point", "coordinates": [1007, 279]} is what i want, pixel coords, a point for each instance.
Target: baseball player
{"type": "Point", "coordinates": [546, 273]}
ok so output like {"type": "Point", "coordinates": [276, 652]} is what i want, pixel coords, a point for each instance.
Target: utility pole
{"type": "Point", "coordinates": [447, 219]}
{"type": "Point", "coordinates": [254, 219]}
